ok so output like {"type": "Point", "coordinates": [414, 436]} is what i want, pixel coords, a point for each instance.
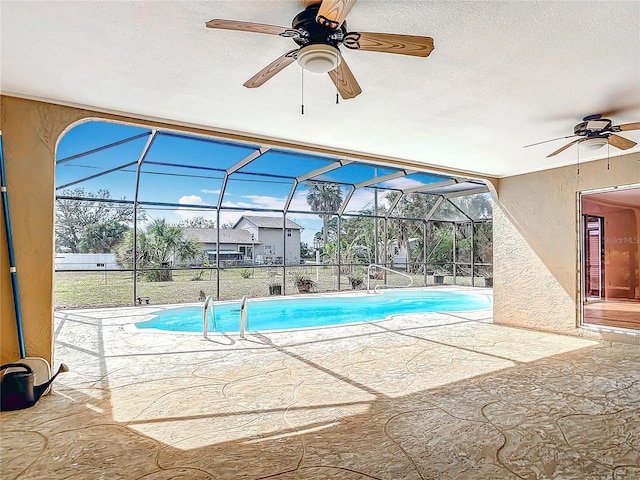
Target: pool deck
{"type": "Point", "coordinates": [420, 396]}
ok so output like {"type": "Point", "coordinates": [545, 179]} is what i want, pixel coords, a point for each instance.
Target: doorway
{"type": "Point", "coordinates": [610, 257]}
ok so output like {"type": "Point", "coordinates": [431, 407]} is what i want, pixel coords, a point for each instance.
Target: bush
{"type": "Point", "coordinates": [246, 273]}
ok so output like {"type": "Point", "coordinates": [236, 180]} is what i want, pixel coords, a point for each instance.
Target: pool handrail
{"type": "Point", "coordinates": [244, 319]}
{"type": "Point", "coordinates": [205, 320]}
{"type": "Point", "coordinates": [386, 285]}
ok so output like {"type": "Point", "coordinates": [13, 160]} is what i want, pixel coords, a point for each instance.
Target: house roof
{"type": "Point", "coordinates": [267, 222]}
{"type": "Point", "coordinates": [502, 75]}
{"type": "Point", "coordinates": [227, 235]}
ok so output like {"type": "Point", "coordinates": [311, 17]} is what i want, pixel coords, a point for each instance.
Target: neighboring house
{"type": "Point", "coordinates": [252, 240]}
{"type": "Point", "coordinates": [236, 245]}
{"type": "Point", "coordinates": [272, 243]}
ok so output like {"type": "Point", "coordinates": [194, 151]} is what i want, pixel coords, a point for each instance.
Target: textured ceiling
{"type": "Point", "coordinates": [502, 75]}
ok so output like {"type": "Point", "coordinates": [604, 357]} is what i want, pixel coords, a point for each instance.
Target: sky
{"type": "Point", "coordinates": [188, 171]}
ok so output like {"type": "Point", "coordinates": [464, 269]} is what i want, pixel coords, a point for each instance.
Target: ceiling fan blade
{"type": "Point", "coordinates": [344, 81]}
{"type": "Point", "coordinates": [245, 26]}
{"type": "Point", "coordinates": [547, 141]}
{"type": "Point", "coordinates": [612, 112]}
{"type": "Point", "coordinates": [270, 70]}
{"type": "Point", "coordinates": [562, 149]}
{"type": "Point", "coordinates": [629, 126]}
{"type": "Point", "coordinates": [333, 12]}
{"type": "Point", "coordinates": [621, 142]}
{"type": "Point", "coordinates": [390, 43]}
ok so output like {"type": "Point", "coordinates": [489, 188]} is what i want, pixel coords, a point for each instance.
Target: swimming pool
{"type": "Point", "coordinates": [303, 312]}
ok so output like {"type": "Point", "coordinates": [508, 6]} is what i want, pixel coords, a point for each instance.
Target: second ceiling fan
{"type": "Point", "coordinates": [319, 31]}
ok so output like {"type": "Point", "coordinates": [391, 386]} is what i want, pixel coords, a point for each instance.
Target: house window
{"type": "Point", "coordinates": [269, 249]}
{"type": "Point", "coordinates": [246, 251]}
{"type": "Point", "coordinates": [288, 232]}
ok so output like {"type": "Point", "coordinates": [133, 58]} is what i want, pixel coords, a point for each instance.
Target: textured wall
{"type": "Point", "coordinates": [30, 131]}
{"type": "Point", "coordinates": [536, 240]}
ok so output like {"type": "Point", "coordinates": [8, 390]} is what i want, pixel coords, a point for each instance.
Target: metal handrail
{"type": "Point", "coordinates": [244, 319]}
{"type": "Point", "coordinates": [386, 285]}
{"type": "Point", "coordinates": [205, 320]}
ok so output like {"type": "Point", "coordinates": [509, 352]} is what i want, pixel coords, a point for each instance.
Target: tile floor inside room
{"type": "Point", "coordinates": [430, 396]}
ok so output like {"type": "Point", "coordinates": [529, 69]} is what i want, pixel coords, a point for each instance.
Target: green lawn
{"type": "Point", "coordinates": [115, 288]}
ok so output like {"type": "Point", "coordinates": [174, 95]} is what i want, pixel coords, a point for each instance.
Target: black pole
{"type": "Point", "coordinates": [12, 262]}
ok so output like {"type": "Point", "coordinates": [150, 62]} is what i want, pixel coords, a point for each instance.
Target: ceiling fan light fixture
{"type": "Point", "coordinates": [594, 143]}
{"type": "Point", "coordinates": [319, 58]}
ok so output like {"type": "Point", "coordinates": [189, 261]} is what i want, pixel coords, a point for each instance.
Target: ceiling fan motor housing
{"type": "Point", "coordinates": [319, 52]}
{"type": "Point", "coordinates": [592, 127]}
{"type": "Point", "coordinates": [314, 33]}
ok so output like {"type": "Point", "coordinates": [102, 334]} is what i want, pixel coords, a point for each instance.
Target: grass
{"type": "Point", "coordinates": [115, 288]}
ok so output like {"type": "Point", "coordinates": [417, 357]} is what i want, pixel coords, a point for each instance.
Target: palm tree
{"type": "Point", "coordinates": [158, 244]}
{"type": "Point", "coordinates": [325, 198]}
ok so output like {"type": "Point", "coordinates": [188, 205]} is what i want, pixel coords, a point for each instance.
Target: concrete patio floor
{"type": "Point", "coordinates": [429, 396]}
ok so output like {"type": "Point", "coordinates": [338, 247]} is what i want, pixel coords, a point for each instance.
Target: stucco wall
{"type": "Point", "coordinates": [536, 240]}
{"type": "Point", "coordinates": [30, 131]}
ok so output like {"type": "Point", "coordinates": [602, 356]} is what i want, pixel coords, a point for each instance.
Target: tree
{"type": "Point", "coordinates": [362, 240]}
{"type": "Point", "coordinates": [158, 245]}
{"type": "Point", "coordinates": [305, 250]}
{"type": "Point", "coordinates": [477, 206]}
{"type": "Point", "coordinates": [440, 244]}
{"type": "Point", "coordinates": [197, 222]}
{"type": "Point", "coordinates": [412, 205]}
{"type": "Point", "coordinates": [440, 240]}
{"type": "Point", "coordinates": [324, 198]}
{"type": "Point", "coordinates": [73, 218]}
{"type": "Point", "coordinates": [102, 237]}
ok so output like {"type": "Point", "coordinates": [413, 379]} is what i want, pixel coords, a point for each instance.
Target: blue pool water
{"type": "Point", "coordinates": [301, 312]}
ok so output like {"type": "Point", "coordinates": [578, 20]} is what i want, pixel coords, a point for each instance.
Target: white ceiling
{"type": "Point", "coordinates": [503, 74]}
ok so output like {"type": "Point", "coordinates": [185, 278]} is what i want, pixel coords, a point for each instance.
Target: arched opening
{"type": "Point", "coordinates": [225, 218]}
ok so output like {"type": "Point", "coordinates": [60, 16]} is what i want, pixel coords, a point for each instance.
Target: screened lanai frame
{"type": "Point", "coordinates": [227, 166]}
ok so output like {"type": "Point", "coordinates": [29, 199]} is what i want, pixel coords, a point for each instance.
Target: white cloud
{"type": "Point", "coordinates": [299, 201]}
{"type": "Point", "coordinates": [264, 201]}
{"type": "Point", "coordinates": [191, 200]}
{"type": "Point", "coordinates": [238, 205]}
{"type": "Point", "coordinates": [213, 192]}
{"type": "Point", "coordinates": [186, 213]}
{"type": "Point", "coordinates": [364, 199]}
{"type": "Point", "coordinates": [401, 183]}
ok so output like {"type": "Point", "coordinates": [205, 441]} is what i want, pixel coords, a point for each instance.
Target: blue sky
{"type": "Point", "coordinates": [188, 172]}
{"type": "Point", "coordinates": [192, 174]}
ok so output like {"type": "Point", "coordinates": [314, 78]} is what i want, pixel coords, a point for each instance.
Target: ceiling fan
{"type": "Point", "coordinates": [595, 132]}
{"type": "Point", "coordinates": [319, 31]}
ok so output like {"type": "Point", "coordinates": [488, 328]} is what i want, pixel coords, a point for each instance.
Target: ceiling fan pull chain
{"type": "Point", "coordinates": [337, 80]}
{"type": "Point", "coordinates": [578, 152]}
{"type": "Point", "coordinates": [302, 91]}
{"type": "Point", "coordinates": [607, 153]}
